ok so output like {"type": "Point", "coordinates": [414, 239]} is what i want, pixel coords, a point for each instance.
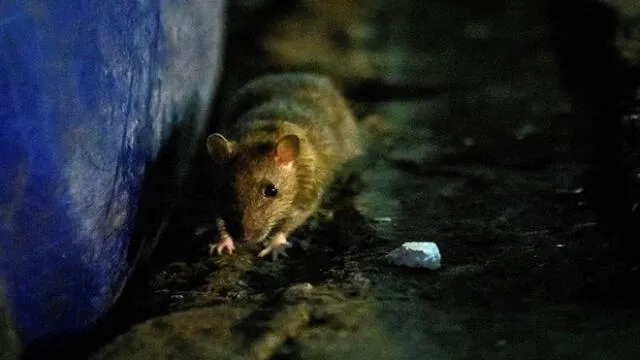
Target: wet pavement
{"type": "Point", "coordinates": [478, 150]}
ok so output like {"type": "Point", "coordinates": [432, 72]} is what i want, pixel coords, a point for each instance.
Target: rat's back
{"type": "Point", "coordinates": [310, 101]}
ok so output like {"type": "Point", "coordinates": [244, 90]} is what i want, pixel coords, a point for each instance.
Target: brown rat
{"type": "Point", "coordinates": [285, 137]}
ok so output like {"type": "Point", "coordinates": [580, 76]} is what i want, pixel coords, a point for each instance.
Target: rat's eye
{"type": "Point", "coordinates": [270, 190]}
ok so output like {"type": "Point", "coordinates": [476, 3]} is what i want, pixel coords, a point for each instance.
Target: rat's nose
{"type": "Point", "coordinates": [252, 228]}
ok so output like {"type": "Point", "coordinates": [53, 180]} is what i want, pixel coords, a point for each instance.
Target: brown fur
{"type": "Point", "coordinates": [265, 119]}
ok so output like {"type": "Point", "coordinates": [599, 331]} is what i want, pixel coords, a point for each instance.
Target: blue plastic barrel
{"type": "Point", "coordinates": [90, 90]}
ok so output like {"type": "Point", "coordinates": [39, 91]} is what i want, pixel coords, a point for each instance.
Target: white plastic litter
{"type": "Point", "coordinates": [416, 254]}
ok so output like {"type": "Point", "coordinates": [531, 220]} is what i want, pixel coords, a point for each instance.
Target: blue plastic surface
{"type": "Point", "coordinates": [88, 94]}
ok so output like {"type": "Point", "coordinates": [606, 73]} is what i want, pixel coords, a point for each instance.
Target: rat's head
{"type": "Point", "coordinates": [263, 178]}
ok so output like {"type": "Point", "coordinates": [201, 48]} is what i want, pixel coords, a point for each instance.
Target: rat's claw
{"type": "Point", "coordinates": [275, 250]}
{"type": "Point", "coordinates": [277, 247]}
{"type": "Point", "coordinates": [225, 242]}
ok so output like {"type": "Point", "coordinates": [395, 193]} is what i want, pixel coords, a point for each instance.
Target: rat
{"type": "Point", "coordinates": [283, 138]}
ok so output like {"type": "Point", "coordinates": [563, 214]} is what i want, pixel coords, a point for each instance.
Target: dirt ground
{"type": "Point", "coordinates": [477, 148]}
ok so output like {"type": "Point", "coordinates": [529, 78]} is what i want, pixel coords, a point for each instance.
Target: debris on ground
{"type": "Point", "coordinates": [416, 255]}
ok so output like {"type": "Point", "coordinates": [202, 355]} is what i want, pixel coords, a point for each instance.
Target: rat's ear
{"type": "Point", "coordinates": [219, 148]}
{"type": "Point", "coordinates": [287, 150]}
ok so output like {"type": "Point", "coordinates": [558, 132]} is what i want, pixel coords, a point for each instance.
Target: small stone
{"type": "Point", "coordinates": [416, 254]}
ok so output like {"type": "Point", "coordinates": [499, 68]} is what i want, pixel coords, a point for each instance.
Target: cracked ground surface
{"type": "Point", "coordinates": [477, 150]}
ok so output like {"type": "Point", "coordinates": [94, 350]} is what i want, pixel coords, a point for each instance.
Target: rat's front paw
{"type": "Point", "coordinates": [225, 243]}
{"type": "Point", "coordinates": [276, 247]}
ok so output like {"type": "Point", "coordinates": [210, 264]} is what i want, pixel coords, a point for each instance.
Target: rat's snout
{"type": "Point", "coordinates": [253, 230]}
{"type": "Point", "coordinates": [252, 236]}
